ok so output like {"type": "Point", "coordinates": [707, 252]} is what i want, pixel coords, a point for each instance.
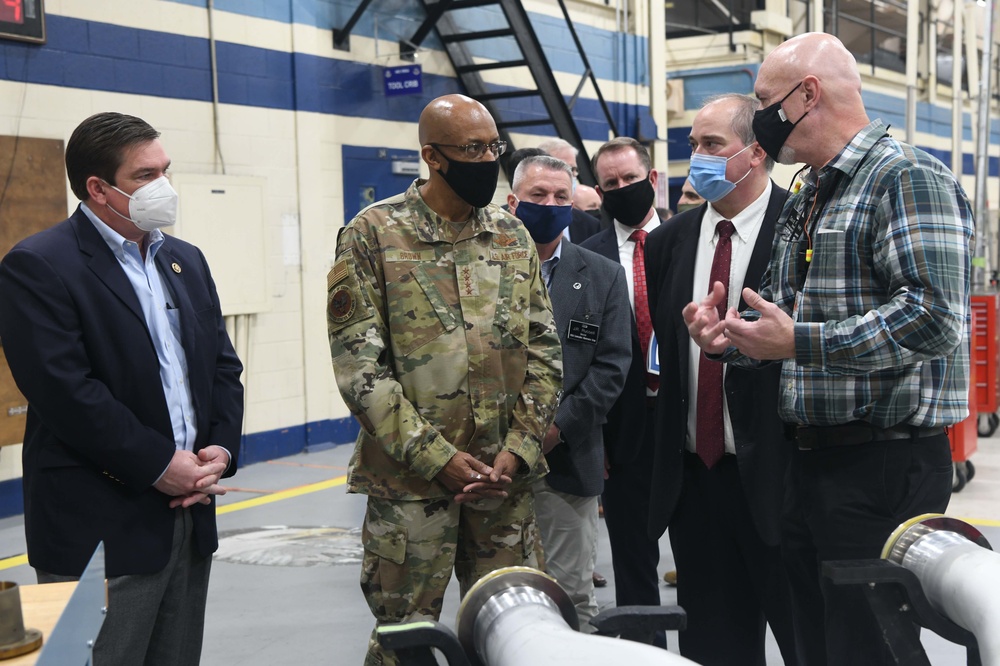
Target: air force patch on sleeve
{"type": "Point", "coordinates": [345, 301]}
{"type": "Point", "coordinates": [341, 304]}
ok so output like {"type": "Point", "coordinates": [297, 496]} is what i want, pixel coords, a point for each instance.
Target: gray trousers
{"type": "Point", "coordinates": [155, 619]}
{"type": "Point", "coordinates": [567, 525]}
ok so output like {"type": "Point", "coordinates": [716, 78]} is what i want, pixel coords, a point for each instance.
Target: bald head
{"type": "Point", "coordinates": [820, 78]}
{"type": "Point", "coordinates": [817, 54]}
{"type": "Point", "coordinates": [460, 144]}
{"type": "Point", "coordinates": [449, 118]}
{"type": "Point", "coordinates": [586, 198]}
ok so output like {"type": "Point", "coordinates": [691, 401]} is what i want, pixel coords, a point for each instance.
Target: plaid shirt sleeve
{"type": "Point", "coordinates": [882, 309]}
{"type": "Point", "coordinates": [918, 241]}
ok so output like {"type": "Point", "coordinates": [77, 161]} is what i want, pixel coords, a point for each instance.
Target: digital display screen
{"type": "Point", "coordinates": [22, 20]}
{"type": "Point", "coordinates": [12, 11]}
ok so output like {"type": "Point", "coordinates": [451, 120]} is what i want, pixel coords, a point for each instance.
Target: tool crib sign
{"type": "Point", "coordinates": [406, 80]}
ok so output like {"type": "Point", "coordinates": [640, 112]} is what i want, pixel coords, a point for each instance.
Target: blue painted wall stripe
{"type": "Point", "coordinates": [612, 55]}
{"type": "Point", "coordinates": [11, 501]}
{"type": "Point", "coordinates": [168, 65]}
{"type": "Point", "coordinates": [680, 151]}
{"type": "Point", "coordinates": [261, 446]}
{"type": "Point", "coordinates": [931, 119]}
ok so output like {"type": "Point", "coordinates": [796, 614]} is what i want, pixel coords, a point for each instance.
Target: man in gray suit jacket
{"type": "Point", "coordinates": [591, 308]}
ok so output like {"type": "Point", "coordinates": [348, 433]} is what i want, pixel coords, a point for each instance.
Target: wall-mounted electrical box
{"type": "Point", "coordinates": [224, 217]}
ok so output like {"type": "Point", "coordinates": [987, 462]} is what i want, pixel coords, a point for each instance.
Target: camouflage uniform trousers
{"type": "Point", "coordinates": [411, 548]}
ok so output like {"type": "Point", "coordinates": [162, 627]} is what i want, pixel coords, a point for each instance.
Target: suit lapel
{"type": "Point", "coordinates": [683, 257]}
{"type": "Point", "coordinates": [104, 264]}
{"type": "Point", "coordinates": [569, 271]}
{"type": "Point", "coordinates": [682, 282]}
{"type": "Point", "coordinates": [608, 245]}
{"type": "Point", "coordinates": [171, 270]}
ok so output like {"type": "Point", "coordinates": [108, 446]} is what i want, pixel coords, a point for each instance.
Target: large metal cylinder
{"type": "Point", "coordinates": [519, 616]}
{"type": "Point", "coordinates": [959, 573]}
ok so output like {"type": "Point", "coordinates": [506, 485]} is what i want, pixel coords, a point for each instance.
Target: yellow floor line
{"type": "Point", "coordinates": [289, 493]}
{"type": "Point", "coordinates": [251, 491]}
{"type": "Point", "coordinates": [298, 491]}
{"type": "Point", "coordinates": [282, 495]}
{"type": "Point", "coordinates": [983, 522]}
{"type": "Point", "coordinates": [307, 465]}
{"type": "Point", "coordinates": [15, 561]}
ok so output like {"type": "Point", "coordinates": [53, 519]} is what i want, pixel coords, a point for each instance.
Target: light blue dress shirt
{"type": "Point", "coordinates": [549, 265]}
{"type": "Point", "coordinates": [163, 320]}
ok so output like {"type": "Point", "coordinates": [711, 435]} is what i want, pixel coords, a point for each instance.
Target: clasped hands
{"type": "Point", "coordinates": [772, 337]}
{"type": "Point", "coordinates": [473, 480]}
{"type": "Point", "coordinates": [191, 478]}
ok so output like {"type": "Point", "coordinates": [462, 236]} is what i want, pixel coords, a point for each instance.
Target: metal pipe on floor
{"type": "Point", "coordinates": [958, 571]}
{"type": "Point", "coordinates": [519, 616]}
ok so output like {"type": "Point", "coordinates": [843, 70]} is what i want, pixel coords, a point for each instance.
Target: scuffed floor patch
{"type": "Point", "coordinates": [291, 546]}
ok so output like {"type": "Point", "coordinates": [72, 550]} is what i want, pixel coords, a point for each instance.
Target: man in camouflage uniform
{"type": "Point", "coordinates": [445, 350]}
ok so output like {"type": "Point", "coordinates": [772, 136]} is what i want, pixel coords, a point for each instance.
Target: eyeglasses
{"type": "Point", "coordinates": [476, 150]}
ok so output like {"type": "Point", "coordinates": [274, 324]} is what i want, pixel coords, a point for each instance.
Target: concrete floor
{"type": "Point", "coordinates": [284, 584]}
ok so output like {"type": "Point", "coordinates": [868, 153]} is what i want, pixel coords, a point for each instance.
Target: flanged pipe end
{"type": "Point", "coordinates": [502, 579]}
{"type": "Point", "coordinates": [903, 536]}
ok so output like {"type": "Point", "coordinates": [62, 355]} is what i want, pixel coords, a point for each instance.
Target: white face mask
{"type": "Point", "coordinates": [152, 206]}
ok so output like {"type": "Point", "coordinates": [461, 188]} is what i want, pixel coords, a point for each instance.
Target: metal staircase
{"type": "Point", "coordinates": [506, 103]}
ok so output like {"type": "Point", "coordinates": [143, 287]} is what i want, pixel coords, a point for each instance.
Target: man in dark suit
{"type": "Point", "coordinates": [627, 185]}
{"type": "Point", "coordinates": [115, 336]}
{"type": "Point", "coordinates": [721, 455]}
{"type": "Point", "coordinates": [590, 307]}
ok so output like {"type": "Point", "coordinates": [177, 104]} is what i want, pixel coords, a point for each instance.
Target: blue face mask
{"type": "Point", "coordinates": [544, 223]}
{"type": "Point", "coordinates": [708, 175]}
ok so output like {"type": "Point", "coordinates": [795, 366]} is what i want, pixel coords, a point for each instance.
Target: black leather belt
{"type": "Point", "coordinates": [854, 433]}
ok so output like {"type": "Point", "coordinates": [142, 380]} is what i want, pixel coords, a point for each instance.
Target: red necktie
{"type": "Point", "coordinates": [711, 429]}
{"type": "Point", "coordinates": [642, 321]}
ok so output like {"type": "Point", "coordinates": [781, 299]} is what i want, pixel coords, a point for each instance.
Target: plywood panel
{"type": "Point", "coordinates": [32, 198]}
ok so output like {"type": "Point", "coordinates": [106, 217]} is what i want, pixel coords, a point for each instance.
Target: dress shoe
{"type": "Point", "coordinates": [599, 580]}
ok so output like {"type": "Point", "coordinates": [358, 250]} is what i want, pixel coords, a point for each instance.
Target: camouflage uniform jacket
{"type": "Point", "coordinates": [442, 341]}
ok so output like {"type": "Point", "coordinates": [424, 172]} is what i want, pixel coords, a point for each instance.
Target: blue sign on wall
{"type": "Point", "coordinates": [403, 80]}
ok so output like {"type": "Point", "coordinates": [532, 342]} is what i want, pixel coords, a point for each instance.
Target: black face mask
{"type": "Point", "coordinates": [630, 204]}
{"type": "Point", "coordinates": [473, 182]}
{"type": "Point", "coordinates": [596, 212]}
{"type": "Point", "coordinates": [771, 127]}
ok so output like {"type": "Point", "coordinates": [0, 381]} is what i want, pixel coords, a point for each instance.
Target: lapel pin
{"type": "Point", "coordinates": [176, 267]}
{"type": "Point", "coordinates": [577, 285]}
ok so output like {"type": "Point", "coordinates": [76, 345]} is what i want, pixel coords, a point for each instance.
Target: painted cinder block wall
{"type": "Point", "coordinates": [287, 104]}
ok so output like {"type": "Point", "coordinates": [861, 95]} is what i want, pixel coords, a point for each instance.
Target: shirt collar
{"type": "Point", "coordinates": [116, 241]}
{"type": "Point", "coordinates": [429, 224]}
{"type": "Point", "coordinates": [746, 220]}
{"type": "Point", "coordinates": [849, 159]}
{"type": "Point", "coordinates": [556, 253]}
{"type": "Point", "coordinates": [623, 232]}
